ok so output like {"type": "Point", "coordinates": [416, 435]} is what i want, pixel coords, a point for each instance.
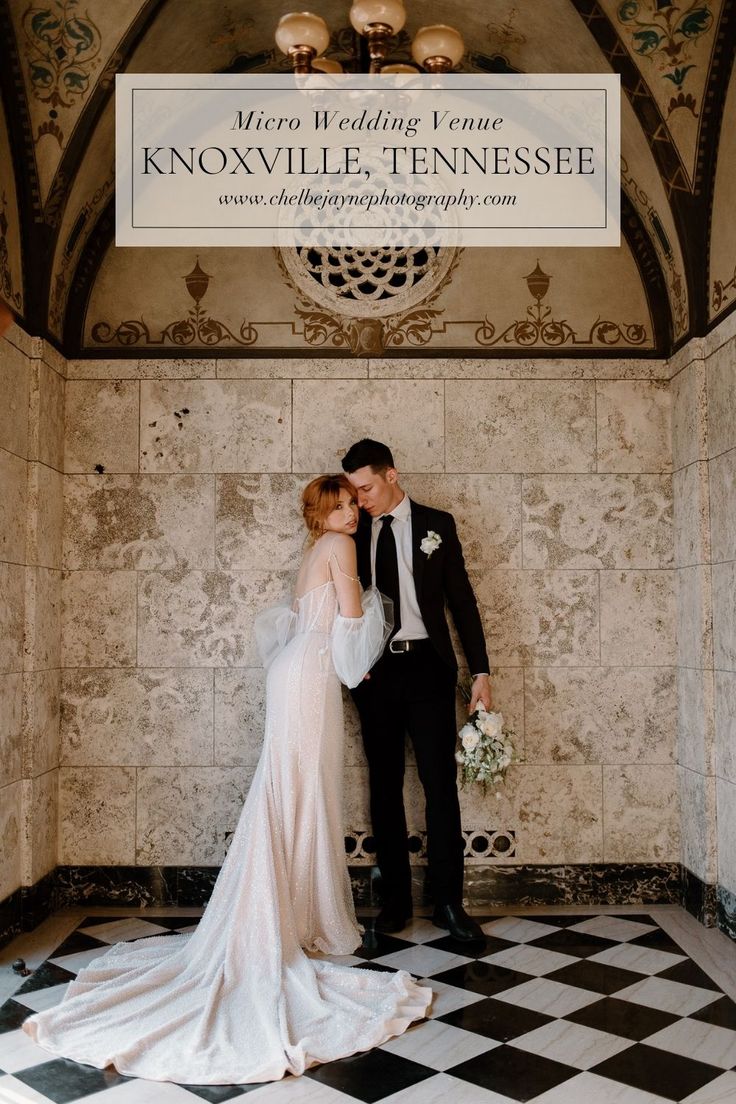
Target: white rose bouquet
{"type": "Point", "coordinates": [487, 747]}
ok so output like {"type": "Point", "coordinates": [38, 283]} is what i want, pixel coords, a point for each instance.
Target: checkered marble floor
{"type": "Point", "coordinates": [555, 1009]}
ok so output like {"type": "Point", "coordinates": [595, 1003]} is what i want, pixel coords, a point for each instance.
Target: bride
{"type": "Point", "coordinates": [245, 997]}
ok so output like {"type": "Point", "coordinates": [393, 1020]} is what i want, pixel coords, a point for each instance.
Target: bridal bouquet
{"type": "Point", "coordinates": [487, 747]}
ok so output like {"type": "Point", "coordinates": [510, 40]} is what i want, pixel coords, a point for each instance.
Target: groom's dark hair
{"type": "Point", "coordinates": [368, 453]}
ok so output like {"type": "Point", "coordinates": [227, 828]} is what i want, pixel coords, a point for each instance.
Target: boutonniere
{"type": "Point", "coordinates": [430, 543]}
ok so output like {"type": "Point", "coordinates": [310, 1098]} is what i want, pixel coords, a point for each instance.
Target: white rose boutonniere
{"type": "Point", "coordinates": [430, 543]}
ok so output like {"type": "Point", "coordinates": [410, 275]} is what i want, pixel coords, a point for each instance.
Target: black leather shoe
{"type": "Point", "coordinates": [391, 919]}
{"type": "Point", "coordinates": [455, 919]}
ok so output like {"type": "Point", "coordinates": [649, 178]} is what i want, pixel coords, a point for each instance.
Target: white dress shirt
{"type": "Point", "coordinates": [412, 626]}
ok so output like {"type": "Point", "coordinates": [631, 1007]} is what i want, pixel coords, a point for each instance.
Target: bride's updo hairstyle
{"type": "Point", "coordinates": [319, 499]}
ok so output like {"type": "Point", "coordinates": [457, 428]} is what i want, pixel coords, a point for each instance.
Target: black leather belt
{"type": "Point", "coordinates": [400, 647]}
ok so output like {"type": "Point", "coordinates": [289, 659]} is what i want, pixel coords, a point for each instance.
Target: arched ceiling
{"type": "Point", "coordinates": [62, 275]}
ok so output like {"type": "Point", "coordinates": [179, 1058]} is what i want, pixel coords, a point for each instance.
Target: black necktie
{"type": "Point", "coordinates": [387, 568]}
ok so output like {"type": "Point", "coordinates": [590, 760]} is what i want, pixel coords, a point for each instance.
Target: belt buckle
{"type": "Point", "coordinates": [401, 646]}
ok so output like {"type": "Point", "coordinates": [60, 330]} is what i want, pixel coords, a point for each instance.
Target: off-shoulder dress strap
{"type": "Point", "coordinates": [332, 555]}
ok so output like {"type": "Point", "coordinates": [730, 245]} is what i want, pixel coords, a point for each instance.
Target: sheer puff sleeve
{"type": "Point", "coordinates": [357, 642]}
{"type": "Point", "coordinates": [274, 628]}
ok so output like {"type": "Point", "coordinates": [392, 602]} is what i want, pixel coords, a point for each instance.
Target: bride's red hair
{"type": "Point", "coordinates": [319, 499]}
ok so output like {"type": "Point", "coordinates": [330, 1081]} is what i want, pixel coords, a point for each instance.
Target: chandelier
{"type": "Point", "coordinates": [304, 37]}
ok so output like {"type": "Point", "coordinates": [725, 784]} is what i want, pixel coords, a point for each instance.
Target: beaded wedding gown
{"type": "Point", "coordinates": [244, 998]}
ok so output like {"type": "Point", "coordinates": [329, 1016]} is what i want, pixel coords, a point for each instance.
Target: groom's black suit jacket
{"type": "Point", "coordinates": [441, 581]}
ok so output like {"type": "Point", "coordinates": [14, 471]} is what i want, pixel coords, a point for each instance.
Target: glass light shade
{"type": "Point", "coordinates": [302, 29]}
{"type": "Point", "coordinates": [390, 12]}
{"type": "Point", "coordinates": [326, 65]}
{"type": "Point", "coordinates": [437, 41]}
{"type": "Point", "coordinates": [399, 67]}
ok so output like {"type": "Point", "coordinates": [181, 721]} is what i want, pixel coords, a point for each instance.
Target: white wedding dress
{"type": "Point", "coordinates": [243, 998]}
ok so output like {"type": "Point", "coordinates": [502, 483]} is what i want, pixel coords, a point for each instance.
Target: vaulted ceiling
{"type": "Point", "coordinates": [673, 277]}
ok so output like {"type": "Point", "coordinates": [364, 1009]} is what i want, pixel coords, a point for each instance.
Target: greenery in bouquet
{"type": "Point", "coordinates": [487, 747]}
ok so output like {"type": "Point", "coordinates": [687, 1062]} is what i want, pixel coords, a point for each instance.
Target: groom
{"type": "Point", "coordinates": [413, 555]}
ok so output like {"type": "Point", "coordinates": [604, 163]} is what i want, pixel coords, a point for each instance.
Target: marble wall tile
{"type": "Point", "coordinates": [634, 432]}
{"type": "Point", "coordinates": [99, 619]}
{"type": "Point", "coordinates": [11, 703]}
{"type": "Point", "coordinates": [516, 368]}
{"type": "Point", "coordinates": [194, 368]}
{"type": "Point", "coordinates": [356, 807]}
{"type": "Point", "coordinates": [46, 410]}
{"type": "Point", "coordinates": [330, 416]}
{"type": "Point", "coordinates": [101, 426]}
{"type": "Point", "coordinates": [13, 479]}
{"type": "Point", "coordinates": [487, 509]}
{"type": "Point", "coordinates": [53, 358]}
{"type": "Point", "coordinates": [42, 619]}
{"type": "Point", "coordinates": [721, 383]}
{"type": "Point", "coordinates": [14, 387]}
{"type": "Point", "coordinates": [537, 618]}
{"type": "Point", "coordinates": [599, 715]}
{"type": "Point", "coordinates": [188, 814]}
{"type": "Point", "coordinates": [723, 504]}
{"type": "Point", "coordinates": [159, 368]}
{"type": "Point", "coordinates": [698, 823]}
{"type": "Point", "coordinates": [97, 816]}
{"type": "Point", "coordinates": [41, 707]}
{"type": "Point", "coordinates": [16, 337]}
{"type": "Point", "coordinates": [12, 602]}
{"type": "Point", "coordinates": [641, 814]}
{"type": "Point", "coordinates": [203, 618]}
{"type": "Point", "coordinates": [694, 616]}
{"type": "Point", "coordinates": [353, 755]}
{"type": "Point", "coordinates": [637, 618]}
{"type": "Point", "coordinates": [45, 514]}
{"type": "Point", "coordinates": [40, 825]}
{"type": "Point", "coordinates": [286, 368]}
{"type": "Point", "coordinates": [726, 798]}
{"type": "Point", "coordinates": [689, 419]}
{"type": "Point", "coordinates": [10, 838]}
{"type": "Point", "coordinates": [597, 521]}
{"type": "Point", "coordinates": [215, 426]}
{"type": "Point", "coordinates": [692, 515]}
{"type": "Point", "coordinates": [556, 812]}
{"type": "Point", "coordinates": [136, 717]}
{"type": "Point", "coordinates": [520, 426]}
{"type": "Point", "coordinates": [240, 715]}
{"type": "Point", "coordinates": [725, 724]}
{"type": "Point", "coordinates": [139, 521]}
{"type": "Point", "coordinates": [724, 622]}
{"type": "Point", "coordinates": [685, 355]}
{"type": "Point", "coordinates": [258, 521]}
{"type": "Point", "coordinates": [695, 719]}
{"type": "Point", "coordinates": [719, 336]}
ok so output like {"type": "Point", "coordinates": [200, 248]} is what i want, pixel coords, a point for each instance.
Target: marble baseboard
{"type": "Point", "coordinates": [699, 898]}
{"type": "Point", "coordinates": [490, 886]}
{"type": "Point", "coordinates": [726, 911]}
{"type": "Point", "coordinates": [24, 909]}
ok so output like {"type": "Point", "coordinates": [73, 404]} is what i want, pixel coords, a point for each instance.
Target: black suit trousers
{"type": "Point", "coordinates": [413, 692]}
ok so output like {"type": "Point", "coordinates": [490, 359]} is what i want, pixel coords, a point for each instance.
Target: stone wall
{"type": "Point", "coordinates": [721, 385]}
{"type": "Point", "coordinates": [704, 460]}
{"type": "Point", "coordinates": [31, 487]}
{"type": "Point", "coordinates": [181, 487]}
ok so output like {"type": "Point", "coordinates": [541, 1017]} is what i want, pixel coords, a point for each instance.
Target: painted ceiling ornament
{"type": "Point", "coordinates": [62, 52]}
{"type": "Point", "coordinates": [198, 328]}
{"type": "Point", "coordinates": [8, 291]}
{"type": "Point", "coordinates": [539, 328]}
{"type": "Point", "coordinates": [723, 291]}
{"type": "Point", "coordinates": [367, 299]}
{"type": "Point", "coordinates": [675, 282]}
{"type": "Point", "coordinates": [665, 33]}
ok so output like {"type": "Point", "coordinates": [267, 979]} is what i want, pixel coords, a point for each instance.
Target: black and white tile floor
{"type": "Point", "coordinates": [555, 1009]}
